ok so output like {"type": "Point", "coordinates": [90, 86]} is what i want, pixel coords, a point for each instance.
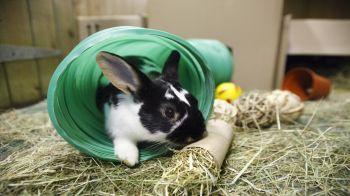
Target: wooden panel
{"type": "Point", "coordinates": [66, 25]}
{"type": "Point", "coordinates": [91, 7]}
{"type": "Point", "coordinates": [5, 101]}
{"type": "Point", "coordinates": [319, 37]}
{"type": "Point", "coordinates": [250, 27]}
{"type": "Point", "coordinates": [91, 24]}
{"type": "Point", "coordinates": [15, 29]}
{"type": "Point", "coordinates": [80, 7]}
{"type": "Point", "coordinates": [102, 7]}
{"type": "Point", "coordinates": [44, 35]}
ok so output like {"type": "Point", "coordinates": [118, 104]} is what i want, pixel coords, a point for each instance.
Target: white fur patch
{"type": "Point", "coordinates": [126, 151]}
{"type": "Point", "coordinates": [123, 121]}
{"type": "Point", "coordinates": [168, 95]}
{"type": "Point", "coordinates": [180, 95]}
{"type": "Point", "coordinates": [184, 91]}
{"type": "Point", "coordinates": [178, 123]}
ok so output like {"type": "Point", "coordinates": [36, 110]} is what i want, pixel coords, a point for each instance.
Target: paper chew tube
{"type": "Point", "coordinates": [218, 140]}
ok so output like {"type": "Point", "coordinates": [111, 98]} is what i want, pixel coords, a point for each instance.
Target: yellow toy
{"type": "Point", "coordinates": [227, 91]}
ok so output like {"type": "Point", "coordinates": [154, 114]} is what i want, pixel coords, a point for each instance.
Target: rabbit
{"type": "Point", "coordinates": [139, 109]}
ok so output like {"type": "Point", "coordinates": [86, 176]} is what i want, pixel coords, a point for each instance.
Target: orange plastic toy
{"type": "Point", "coordinates": [306, 84]}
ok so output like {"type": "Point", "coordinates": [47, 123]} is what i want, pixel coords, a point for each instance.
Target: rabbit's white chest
{"type": "Point", "coordinates": [124, 121]}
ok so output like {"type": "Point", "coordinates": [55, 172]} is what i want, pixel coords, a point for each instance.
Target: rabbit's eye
{"type": "Point", "coordinates": [169, 112]}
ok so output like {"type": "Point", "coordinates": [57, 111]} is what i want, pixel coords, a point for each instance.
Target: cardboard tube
{"type": "Point", "coordinates": [218, 140]}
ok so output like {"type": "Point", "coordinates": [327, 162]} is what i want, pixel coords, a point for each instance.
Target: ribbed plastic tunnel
{"type": "Point", "coordinates": [72, 90]}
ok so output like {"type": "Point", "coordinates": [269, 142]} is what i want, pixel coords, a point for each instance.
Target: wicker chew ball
{"type": "Point", "coordinates": [254, 110]}
{"type": "Point", "coordinates": [287, 104]}
{"type": "Point", "coordinates": [262, 109]}
{"type": "Point", "coordinates": [195, 169]}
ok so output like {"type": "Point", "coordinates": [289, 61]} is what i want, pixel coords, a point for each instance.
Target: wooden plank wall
{"type": "Point", "coordinates": [49, 24]}
{"type": "Point", "coordinates": [22, 76]}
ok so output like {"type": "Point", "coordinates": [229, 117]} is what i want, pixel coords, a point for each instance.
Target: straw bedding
{"type": "Point", "coordinates": [309, 156]}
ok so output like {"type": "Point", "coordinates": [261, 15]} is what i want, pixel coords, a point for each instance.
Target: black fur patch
{"type": "Point", "coordinates": [107, 94]}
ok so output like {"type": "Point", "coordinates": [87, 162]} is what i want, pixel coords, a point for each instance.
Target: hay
{"type": "Point", "coordinates": [193, 172]}
{"type": "Point", "coordinates": [311, 156]}
{"type": "Point", "coordinates": [36, 160]}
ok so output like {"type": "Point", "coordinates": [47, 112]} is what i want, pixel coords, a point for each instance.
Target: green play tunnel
{"type": "Point", "coordinates": [72, 89]}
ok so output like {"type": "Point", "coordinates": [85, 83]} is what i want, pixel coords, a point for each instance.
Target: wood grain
{"type": "Point", "coordinates": [66, 25]}
{"type": "Point", "coordinates": [5, 101]}
{"type": "Point", "coordinates": [24, 86]}
{"type": "Point", "coordinates": [48, 24]}
{"type": "Point", "coordinates": [44, 35]}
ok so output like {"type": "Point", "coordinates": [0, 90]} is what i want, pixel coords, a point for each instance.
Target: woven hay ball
{"type": "Point", "coordinates": [289, 105]}
{"type": "Point", "coordinates": [224, 111]}
{"type": "Point", "coordinates": [253, 110]}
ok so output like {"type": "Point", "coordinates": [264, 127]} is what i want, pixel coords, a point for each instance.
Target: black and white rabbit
{"type": "Point", "coordinates": [140, 109]}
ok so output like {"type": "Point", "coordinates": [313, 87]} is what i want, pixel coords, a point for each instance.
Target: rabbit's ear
{"type": "Point", "coordinates": [170, 70]}
{"type": "Point", "coordinates": [122, 75]}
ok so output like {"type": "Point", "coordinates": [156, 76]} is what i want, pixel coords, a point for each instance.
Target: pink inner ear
{"type": "Point", "coordinates": [118, 72]}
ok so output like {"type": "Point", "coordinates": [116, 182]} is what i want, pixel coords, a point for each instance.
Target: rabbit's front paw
{"type": "Point", "coordinates": [126, 151]}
